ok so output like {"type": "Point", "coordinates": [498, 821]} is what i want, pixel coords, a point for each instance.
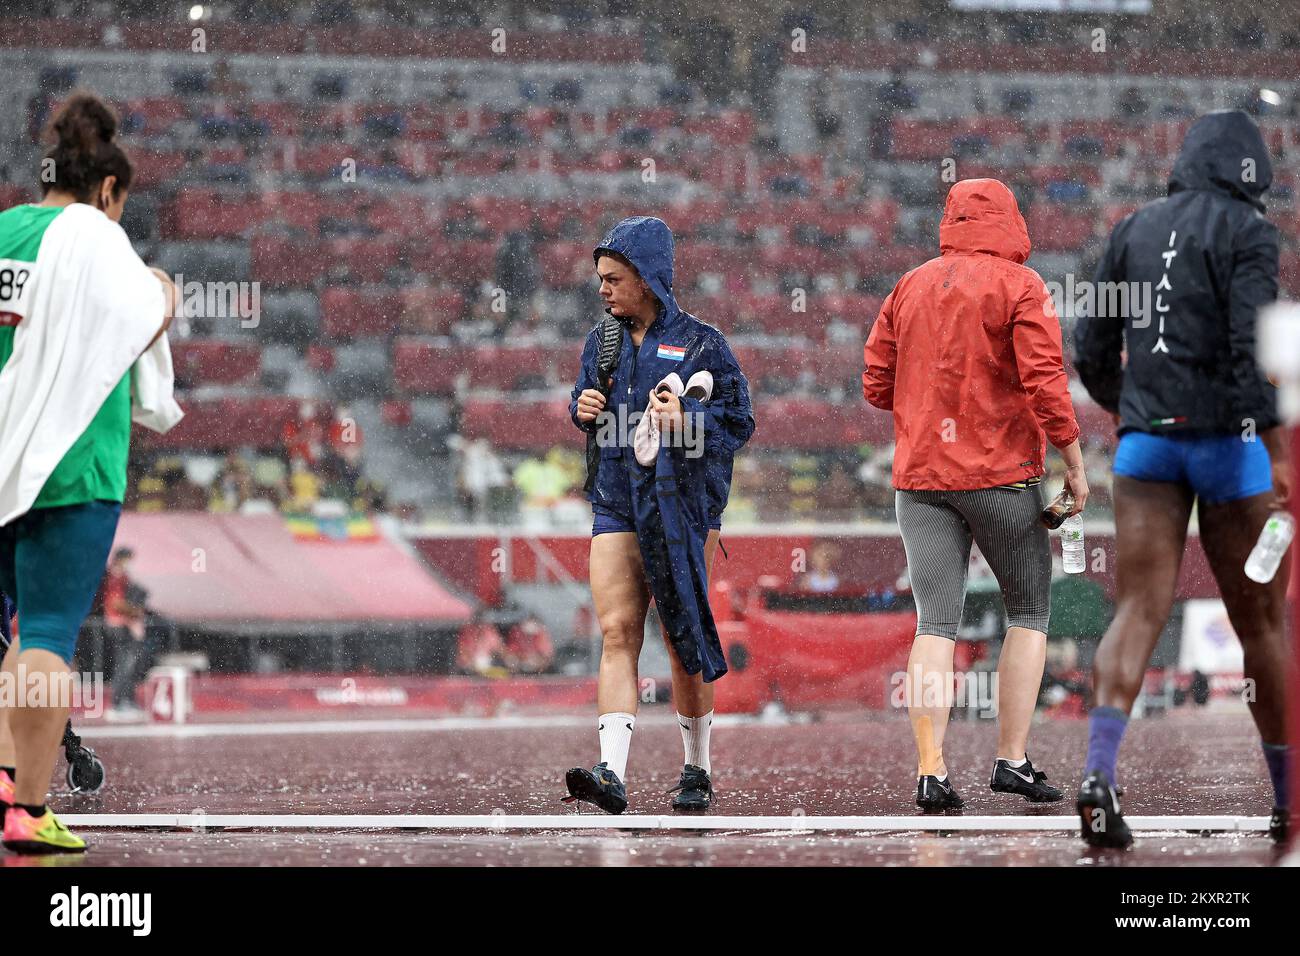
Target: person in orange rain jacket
{"type": "Point", "coordinates": [966, 353]}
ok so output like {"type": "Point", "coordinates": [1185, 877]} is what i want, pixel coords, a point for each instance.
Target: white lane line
{"type": "Point", "coordinates": [592, 821]}
{"type": "Point", "coordinates": [371, 726]}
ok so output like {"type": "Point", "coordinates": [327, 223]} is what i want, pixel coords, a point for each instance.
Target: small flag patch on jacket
{"type": "Point", "coordinates": [674, 352]}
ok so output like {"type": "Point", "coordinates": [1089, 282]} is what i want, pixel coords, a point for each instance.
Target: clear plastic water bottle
{"type": "Point", "coordinates": [1072, 556]}
{"type": "Point", "coordinates": [1273, 541]}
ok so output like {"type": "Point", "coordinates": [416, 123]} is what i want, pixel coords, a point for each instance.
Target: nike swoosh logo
{"type": "Point", "coordinates": [1027, 778]}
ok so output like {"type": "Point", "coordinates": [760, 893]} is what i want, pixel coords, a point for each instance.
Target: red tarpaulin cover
{"type": "Point", "coordinates": [206, 568]}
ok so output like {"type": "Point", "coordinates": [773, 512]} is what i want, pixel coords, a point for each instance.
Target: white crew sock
{"type": "Point", "coordinates": [1014, 763]}
{"type": "Point", "coordinates": [615, 739]}
{"type": "Point", "coordinates": [695, 739]}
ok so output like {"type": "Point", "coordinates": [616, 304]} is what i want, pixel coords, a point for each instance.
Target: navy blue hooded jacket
{"type": "Point", "coordinates": [1210, 259]}
{"type": "Point", "coordinates": [647, 243]}
{"type": "Point", "coordinates": [672, 504]}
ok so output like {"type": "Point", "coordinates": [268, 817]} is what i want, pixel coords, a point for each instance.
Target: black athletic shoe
{"type": "Point", "coordinates": [1279, 824]}
{"type": "Point", "coordinates": [1023, 780]}
{"type": "Point", "coordinates": [933, 794]}
{"type": "Point", "coordinates": [1100, 821]}
{"type": "Point", "coordinates": [599, 785]}
{"type": "Point", "coordinates": [694, 790]}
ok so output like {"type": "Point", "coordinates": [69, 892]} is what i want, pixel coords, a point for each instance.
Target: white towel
{"type": "Point", "coordinates": [93, 308]}
{"type": "Point", "coordinates": [152, 383]}
{"type": "Point", "coordinates": [646, 441]}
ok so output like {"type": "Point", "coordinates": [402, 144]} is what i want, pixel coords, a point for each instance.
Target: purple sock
{"type": "Point", "coordinates": [1105, 731]}
{"type": "Point", "coordinates": [1278, 758]}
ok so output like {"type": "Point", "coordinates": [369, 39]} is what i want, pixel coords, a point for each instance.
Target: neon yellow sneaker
{"type": "Point", "coordinates": [25, 833]}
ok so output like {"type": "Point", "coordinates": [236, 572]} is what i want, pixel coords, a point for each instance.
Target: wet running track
{"type": "Point", "coordinates": [1187, 763]}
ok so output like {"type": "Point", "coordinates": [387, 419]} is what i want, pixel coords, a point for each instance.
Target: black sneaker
{"type": "Point", "coordinates": [694, 790]}
{"type": "Point", "coordinates": [599, 786]}
{"type": "Point", "coordinates": [1023, 780]}
{"type": "Point", "coordinates": [1100, 821]}
{"type": "Point", "coordinates": [933, 794]}
{"type": "Point", "coordinates": [1279, 825]}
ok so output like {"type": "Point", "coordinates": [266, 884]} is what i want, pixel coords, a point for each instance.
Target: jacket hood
{"type": "Point", "coordinates": [647, 243]}
{"type": "Point", "coordinates": [981, 215]}
{"type": "Point", "coordinates": [1214, 156]}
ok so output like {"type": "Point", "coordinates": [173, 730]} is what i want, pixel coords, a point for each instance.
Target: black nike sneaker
{"type": "Point", "coordinates": [933, 794]}
{"type": "Point", "coordinates": [1023, 780]}
{"type": "Point", "coordinates": [1279, 825]}
{"type": "Point", "coordinates": [599, 786]}
{"type": "Point", "coordinates": [1100, 822]}
{"type": "Point", "coordinates": [694, 790]}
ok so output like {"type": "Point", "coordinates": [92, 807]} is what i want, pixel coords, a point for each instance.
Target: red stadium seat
{"type": "Point", "coordinates": [283, 119]}
{"type": "Point", "coordinates": [395, 412]}
{"type": "Point", "coordinates": [726, 128]}
{"type": "Point", "coordinates": [155, 167]}
{"type": "Point", "coordinates": [921, 139]}
{"type": "Point", "coordinates": [320, 358]}
{"type": "Point", "coordinates": [215, 361]}
{"type": "Point", "coordinates": [564, 262]}
{"type": "Point", "coordinates": [284, 262]}
{"type": "Point", "coordinates": [348, 312]}
{"type": "Point", "coordinates": [12, 195]}
{"type": "Point", "coordinates": [809, 425]}
{"type": "Point", "coordinates": [219, 424]}
{"type": "Point", "coordinates": [1289, 271]}
{"type": "Point", "coordinates": [430, 310]}
{"type": "Point", "coordinates": [1055, 228]}
{"type": "Point", "coordinates": [507, 424]}
{"type": "Point", "coordinates": [210, 214]}
{"type": "Point", "coordinates": [158, 113]}
{"type": "Point", "coordinates": [361, 258]}
{"type": "Point", "coordinates": [421, 368]}
{"type": "Point", "coordinates": [325, 160]}
{"type": "Point", "coordinates": [471, 261]}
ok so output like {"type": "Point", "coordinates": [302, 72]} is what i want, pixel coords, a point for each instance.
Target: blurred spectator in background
{"type": "Point", "coordinates": [304, 486]}
{"type": "Point", "coordinates": [1132, 105]}
{"type": "Point", "coordinates": [544, 481]}
{"type": "Point", "coordinates": [826, 117]}
{"type": "Point", "coordinates": [343, 451]}
{"type": "Point", "coordinates": [820, 578]}
{"type": "Point", "coordinates": [233, 485]}
{"type": "Point", "coordinates": [480, 651]}
{"type": "Point", "coordinates": [482, 481]}
{"type": "Point", "coordinates": [839, 497]}
{"type": "Point", "coordinates": [131, 643]}
{"type": "Point", "coordinates": [895, 96]}
{"type": "Point", "coordinates": [528, 647]}
{"type": "Point", "coordinates": [304, 438]}
{"type": "Point", "coordinates": [517, 273]}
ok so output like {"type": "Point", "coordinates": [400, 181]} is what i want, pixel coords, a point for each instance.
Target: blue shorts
{"type": "Point", "coordinates": [51, 563]}
{"type": "Point", "coordinates": [1218, 468]}
{"type": "Point", "coordinates": [605, 521]}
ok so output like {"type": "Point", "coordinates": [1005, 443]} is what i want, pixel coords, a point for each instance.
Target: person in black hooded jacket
{"type": "Point", "coordinates": [1178, 287]}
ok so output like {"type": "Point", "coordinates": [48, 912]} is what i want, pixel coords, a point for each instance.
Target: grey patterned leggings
{"type": "Point", "coordinates": [937, 529]}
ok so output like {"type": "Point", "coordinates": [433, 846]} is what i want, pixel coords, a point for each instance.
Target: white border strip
{"type": "Point", "coordinates": [593, 821]}
{"type": "Point", "coordinates": [377, 726]}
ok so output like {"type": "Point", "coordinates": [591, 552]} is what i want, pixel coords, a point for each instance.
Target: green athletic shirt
{"type": "Point", "coordinates": [95, 466]}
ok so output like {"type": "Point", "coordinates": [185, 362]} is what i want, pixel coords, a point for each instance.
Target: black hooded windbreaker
{"type": "Point", "coordinates": [1206, 259]}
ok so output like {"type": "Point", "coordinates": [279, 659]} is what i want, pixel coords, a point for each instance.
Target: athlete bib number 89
{"type": "Point", "coordinates": [11, 283]}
